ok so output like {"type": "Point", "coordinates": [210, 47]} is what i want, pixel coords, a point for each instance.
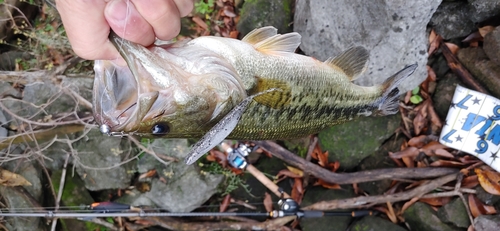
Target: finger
{"type": "Point", "coordinates": [128, 23]}
{"type": "Point", "coordinates": [184, 6]}
{"type": "Point", "coordinates": [87, 28]}
{"type": "Point", "coordinates": [162, 15]}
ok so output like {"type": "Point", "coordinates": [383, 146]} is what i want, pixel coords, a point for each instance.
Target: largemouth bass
{"type": "Point", "coordinates": [182, 90]}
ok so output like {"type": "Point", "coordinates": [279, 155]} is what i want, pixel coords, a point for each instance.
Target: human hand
{"type": "Point", "coordinates": [88, 23]}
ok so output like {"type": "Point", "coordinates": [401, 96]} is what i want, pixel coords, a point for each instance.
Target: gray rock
{"type": "Point", "coordinates": [380, 159]}
{"type": "Point", "coordinates": [394, 32]}
{"type": "Point", "coordinates": [3, 120]}
{"type": "Point", "coordinates": [484, 9]}
{"type": "Point", "coordinates": [97, 161]}
{"type": "Point", "coordinates": [74, 194]}
{"type": "Point", "coordinates": [445, 89]}
{"type": "Point", "coordinates": [351, 142]}
{"type": "Point", "coordinates": [260, 13]}
{"type": "Point", "coordinates": [454, 213]}
{"type": "Point", "coordinates": [484, 70]}
{"type": "Point", "coordinates": [372, 223]}
{"type": "Point", "coordinates": [491, 45]}
{"type": "Point", "coordinates": [333, 223]}
{"type": "Point", "coordinates": [487, 223]}
{"type": "Point", "coordinates": [24, 197]}
{"type": "Point", "coordinates": [485, 197]}
{"type": "Point", "coordinates": [185, 188]}
{"type": "Point", "coordinates": [421, 216]}
{"type": "Point", "coordinates": [452, 20]}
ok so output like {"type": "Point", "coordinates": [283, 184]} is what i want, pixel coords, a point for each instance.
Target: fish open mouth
{"type": "Point", "coordinates": [115, 95]}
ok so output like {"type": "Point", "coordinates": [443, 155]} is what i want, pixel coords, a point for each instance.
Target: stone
{"type": "Point", "coordinates": [373, 223]}
{"type": "Point", "coordinates": [483, 9]}
{"type": "Point", "coordinates": [452, 20]}
{"type": "Point", "coordinates": [394, 32]}
{"type": "Point", "coordinates": [184, 188]}
{"type": "Point", "coordinates": [484, 70]}
{"type": "Point", "coordinates": [455, 213]}
{"type": "Point", "coordinates": [491, 45]}
{"type": "Point", "coordinates": [259, 13]}
{"type": "Point", "coordinates": [331, 223]}
{"type": "Point", "coordinates": [487, 223]}
{"type": "Point", "coordinates": [445, 89]}
{"type": "Point", "coordinates": [24, 197]}
{"type": "Point", "coordinates": [380, 159]}
{"type": "Point", "coordinates": [421, 216]}
{"type": "Point", "coordinates": [351, 142]}
{"type": "Point", "coordinates": [98, 159]}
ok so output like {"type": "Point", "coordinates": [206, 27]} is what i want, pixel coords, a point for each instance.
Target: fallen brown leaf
{"type": "Point", "coordinates": [268, 202]}
{"type": "Point", "coordinates": [489, 180]}
{"type": "Point", "coordinates": [436, 201]}
{"type": "Point", "coordinates": [225, 203]}
{"type": "Point", "coordinates": [477, 208]}
{"type": "Point", "coordinates": [483, 31]}
{"type": "Point", "coordinates": [10, 179]}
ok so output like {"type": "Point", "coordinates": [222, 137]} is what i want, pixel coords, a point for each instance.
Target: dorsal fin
{"type": "Point", "coordinates": [353, 61]}
{"type": "Point", "coordinates": [260, 34]}
{"type": "Point", "coordinates": [266, 39]}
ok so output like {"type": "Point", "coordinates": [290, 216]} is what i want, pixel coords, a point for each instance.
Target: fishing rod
{"type": "Point", "coordinates": [288, 207]}
{"type": "Point", "coordinates": [237, 157]}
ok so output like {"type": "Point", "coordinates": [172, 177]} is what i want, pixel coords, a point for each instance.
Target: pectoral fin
{"type": "Point", "coordinates": [275, 99]}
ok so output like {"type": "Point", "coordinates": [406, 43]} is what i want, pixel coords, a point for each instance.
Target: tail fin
{"type": "Point", "coordinates": [389, 100]}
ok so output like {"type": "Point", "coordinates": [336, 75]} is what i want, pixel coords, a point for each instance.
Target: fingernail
{"type": "Point", "coordinates": [117, 10]}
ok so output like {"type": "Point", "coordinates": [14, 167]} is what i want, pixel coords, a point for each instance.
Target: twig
{"type": "Point", "coordinates": [363, 201]}
{"type": "Point", "coordinates": [61, 189]}
{"type": "Point", "coordinates": [460, 70]}
{"type": "Point", "coordinates": [154, 154]}
{"type": "Point", "coordinates": [356, 177]}
{"type": "Point", "coordinates": [266, 182]}
{"type": "Point", "coordinates": [312, 145]}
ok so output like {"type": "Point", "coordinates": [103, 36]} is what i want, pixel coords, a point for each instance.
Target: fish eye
{"type": "Point", "coordinates": [160, 129]}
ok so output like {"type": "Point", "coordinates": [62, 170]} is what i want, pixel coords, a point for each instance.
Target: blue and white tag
{"type": "Point", "coordinates": [473, 125]}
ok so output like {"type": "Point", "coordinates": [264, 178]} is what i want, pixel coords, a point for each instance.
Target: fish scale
{"type": "Point", "coordinates": [185, 89]}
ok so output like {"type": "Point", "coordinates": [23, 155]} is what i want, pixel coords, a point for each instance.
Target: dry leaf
{"type": "Point", "coordinates": [225, 203]}
{"type": "Point", "coordinates": [431, 74]}
{"type": "Point", "coordinates": [489, 180]}
{"type": "Point", "coordinates": [391, 214]}
{"type": "Point", "coordinates": [436, 201]}
{"type": "Point", "coordinates": [470, 182]}
{"type": "Point", "coordinates": [148, 174]}
{"type": "Point", "coordinates": [200, 22]}
{"type": "Point", "coordinates": [268, 202]}
{"type": "Point", "coordinates": [295, 170]}
{"type": "Point", "coordinates": [483, 31]}
{"type": "Point", "coordinates": [326, 184]}
{"type": "Point", "coordinates": [477, 208]}
{"type": "Point", "coordinates": [446, 163]}
{"type": "Point", "coordinates": [453, 48]}
{"type": "Point", "coordinates": [10, 179]}
{"type": "Point", "coordinates": [297, 190]}
{"type": "Point", "coordinates": [286, 173]}
{"type": "Point", "coordinates": [474, 37]}
{"type": "Point", "coordinates": [408, 152]}
{"type": "Point", "coordinates": [434, 42]}
{"type": "Point", "coordinates": [430, 148]}
{"type": "Point", "coordinates": [420, 141]}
